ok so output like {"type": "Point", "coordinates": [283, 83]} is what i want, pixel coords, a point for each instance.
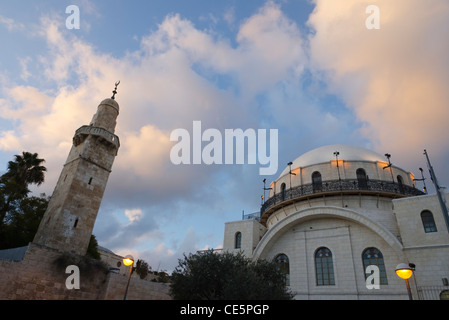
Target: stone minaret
{"type": "Point", "coordinates": [70, 217]}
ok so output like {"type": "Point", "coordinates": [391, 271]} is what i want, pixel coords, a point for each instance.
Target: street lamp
{"type": "Point", "coordinates": [423, 180]}
{"type": "Point", "coordinates": [129, 262]}
{"type": "Point", "coordinates": [291, 173]}
{"type": "Point", "coordinates": [265, 189]}
{"type": "Point", "coordinates": [389, 165]}
{"type": "Point", "coordinates": [405, 271]}
{"type": "Point", "coordinates": [336, 154]}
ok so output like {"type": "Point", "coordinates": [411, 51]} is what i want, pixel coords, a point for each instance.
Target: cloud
{"type": "Point", "coordinates": [178, 75]}
{"type": "Point", "coordinates": [11, 24]}
{"type": "Point", "coordinates": [134, 214]}
{"type": "Point", "coordinates": [270, 76]}
{"type": "Point", "coordinates": [164, 258]}
{"type": "Point", "coordinates": [393, 78]}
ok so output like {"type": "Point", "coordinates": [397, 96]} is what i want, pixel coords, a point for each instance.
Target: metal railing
{"type": "Point", "coordinates": [337, 186]}
{"type": "Point", "coordinates": [98, 131]}
{"type": "Point", "coordinates": [251, 216]}
{"type": "Point", "coordinates": [433, 292]}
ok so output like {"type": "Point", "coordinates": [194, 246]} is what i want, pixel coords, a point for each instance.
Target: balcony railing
{"type": "Point", "coordinates": [108, 137]}
{"type": "Point", "coordinates": [251, 216]}
{"type": "Point", "coordinates": [341, 186]}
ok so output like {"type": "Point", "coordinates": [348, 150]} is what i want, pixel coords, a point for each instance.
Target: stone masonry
{"type": "Point", "coordinates": [70, 217]}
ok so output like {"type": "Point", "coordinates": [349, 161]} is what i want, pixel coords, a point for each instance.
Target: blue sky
{"type": "Point", "coordinates": [309, 69]}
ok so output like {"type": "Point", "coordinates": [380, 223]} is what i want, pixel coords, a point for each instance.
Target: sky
{"type": "Point", "coordinates": [319, 72]}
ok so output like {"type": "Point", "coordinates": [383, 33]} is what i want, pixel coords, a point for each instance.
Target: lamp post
{"type": "Point", "coordinates": [405, 271]}
{"type": "Point", "coordinates": [389, 165]}
{"type": "Point", "coordinates": [336, 154]}
{"type": "Point", "coordinates": [265, 189]}
{"type": "Point", "coordinates": [129, 262]}
{"type": "Point", "coordinates": [291, 173]}
{"type": "Point", "coordinates": [423, 180]}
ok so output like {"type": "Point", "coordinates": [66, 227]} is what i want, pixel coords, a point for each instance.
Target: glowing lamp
{"type": "Point", "coordinates": [128, 260]}
{"type": "Point", "coordinates": [404, 271]}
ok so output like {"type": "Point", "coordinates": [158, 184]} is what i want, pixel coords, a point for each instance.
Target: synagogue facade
{"type": "Point", "coordinates": [338, 210]}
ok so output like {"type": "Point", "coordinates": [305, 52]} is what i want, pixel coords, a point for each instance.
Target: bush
{"type": "Point", "coordinates": [227, 276]}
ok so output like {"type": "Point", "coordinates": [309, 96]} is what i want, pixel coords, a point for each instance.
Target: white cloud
{"type": "Point", "coordinates": [11, 24]}
{"type": "Point", "coordinates": [133, 214]}
{"type": "Point", "coordinates": [176, 77]}
{"type": "Point", "coordinates": [394, 78]}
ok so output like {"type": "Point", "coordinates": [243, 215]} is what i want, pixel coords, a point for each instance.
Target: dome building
{"type": "Point", "coordinates": [339, 219]}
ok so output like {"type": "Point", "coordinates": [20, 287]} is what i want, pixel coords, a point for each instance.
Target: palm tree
{"type": "Point", "coordinates": [26, 169]}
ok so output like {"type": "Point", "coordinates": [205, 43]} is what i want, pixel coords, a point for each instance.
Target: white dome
{"type": "Point", "coordinates": [326, 154]}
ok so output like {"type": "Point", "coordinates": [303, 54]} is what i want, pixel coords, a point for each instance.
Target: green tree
{"type": "Point", "coordinates": [142, 268]}
{"type": "Point", "coordinates": [26, 169]}
{"type": "Point", "coordinates": [163, 277]}
{"type": "Point", "coordinates": [20, 215]}
{"type": "Point", "coordinates": [22, 221]}
{"type": "Point", "coordinates": [226, 276]}
{"type": "Point", "coordinates": [92, 248]}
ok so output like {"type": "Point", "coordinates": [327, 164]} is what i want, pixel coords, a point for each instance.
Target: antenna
{"type": "Point", "coordinates": [437, 188]}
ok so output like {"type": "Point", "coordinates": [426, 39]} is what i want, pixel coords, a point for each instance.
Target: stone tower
{"type": "Point", "coordinates": [70, 217]}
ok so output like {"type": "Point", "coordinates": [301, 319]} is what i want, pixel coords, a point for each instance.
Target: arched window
{"type": "Point", "coordinates": [324, 267]}
{"type": "Point", "coordinates": [283, 191]}
{"type": "Point", "coordinates": [362, 179]}
{"type": "Point", "coordinates": [400, 183]}
{"type": "Point", "coordinates": [317, 184]}
{"type": "Point", "coordinates": [238, 240]}
{"type": "Point", "coordinates": [373, 256]}
{"type": "Point", "coordinates": [284, 266]}
{"type": "Point", "coordinates": [428, 221]}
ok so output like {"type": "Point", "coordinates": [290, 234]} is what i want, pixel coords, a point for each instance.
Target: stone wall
{"type": "Point", "coordinates": [138, 289]}
{"type": "Point", "coordinates": [39, 276]}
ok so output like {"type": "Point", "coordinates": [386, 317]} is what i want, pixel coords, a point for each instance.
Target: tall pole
{"type": "Point", "coordinates": [437, 188]}
{"type": "Point", "coordinates": [127, 285]}
{"type": "Point", "coordinates": [291, 173]}
{"type": "Point", "coordinates": [409, 291]}
{"type": "Point", "coordinates": [336, 153]}
{"type": "Point", "coordinates": [389, 165]}
{"type": "Point", "coordinates": [264, 189]}
{"type": "Point", "coordinates": [423, 180]}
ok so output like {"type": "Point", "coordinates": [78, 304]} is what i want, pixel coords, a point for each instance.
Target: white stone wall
{"type": "Point", "coordinates": [393, 227]}
{"type": "Point", "coordinates": [347, 240]}
{"type": "Point", "coordinates": [428, 251]}
{"type": "Point", "coordinates": [251, 230]}
{"type": "Point", "coordinates": [377, 209]}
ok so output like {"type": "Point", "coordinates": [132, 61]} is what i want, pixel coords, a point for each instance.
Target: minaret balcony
{"type": "Point", "coordinates": [106, 137]}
